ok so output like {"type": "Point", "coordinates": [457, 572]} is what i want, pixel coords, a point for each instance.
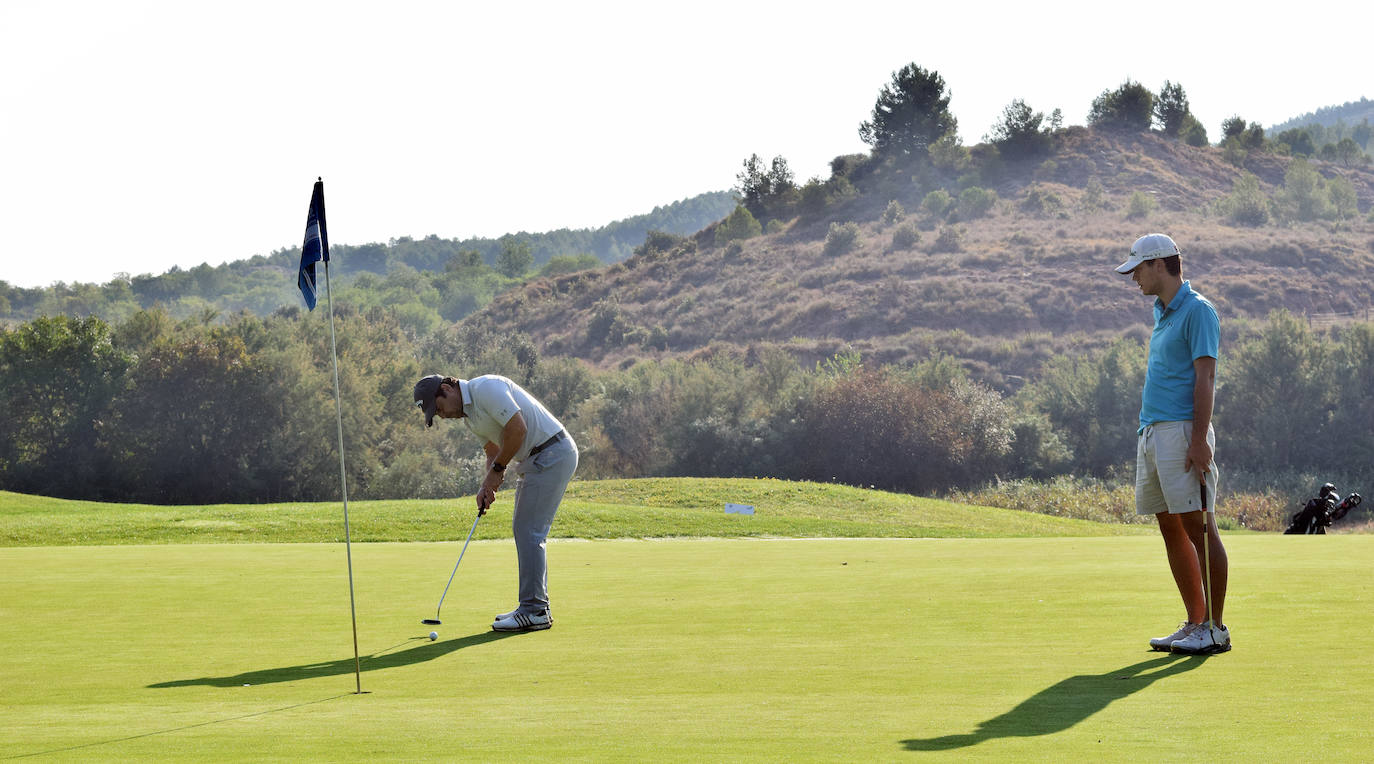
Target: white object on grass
{"type": "Point", "coordinates": [739, 509]}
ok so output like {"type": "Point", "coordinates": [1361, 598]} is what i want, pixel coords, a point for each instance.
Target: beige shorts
{"type": "Point", "coordinates": [1161, 482]}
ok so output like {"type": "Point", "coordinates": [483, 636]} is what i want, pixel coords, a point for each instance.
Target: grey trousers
{"type": "Point", "coordinates": [538, 492]}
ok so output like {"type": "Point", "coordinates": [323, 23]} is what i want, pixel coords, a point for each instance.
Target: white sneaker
{"type": "Point", "coordinates": [1204, 639]}
{"type": "Point", "coordinates": [1164, 644]}
{"type": "Point", "coordinates": [520, 621]}
{"type": "Point", "coordinates": [504, 616]}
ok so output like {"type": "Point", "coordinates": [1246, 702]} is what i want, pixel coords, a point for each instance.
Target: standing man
{"type": "Point", "coordinates": [1176, 478]}
{"type": "Point", "coordinates": [515, 429]}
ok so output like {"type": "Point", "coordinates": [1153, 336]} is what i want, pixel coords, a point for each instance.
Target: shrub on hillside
{"type": "Point", "coordinates": [893, 213]}
{"type": "Point", "coordinates": [1344, 201]}
{"type": "Point", "coordinates": [740, 224]}
{"type": "Point", "coordinates": [815, 196]}
{"type": "Point", "coordinates": [1304, 196]}
{"type": "Point", "coordinates": [975, 202]}
{"type": "Point", "coordinates": [937, 202]}
{"type": "Point", "coordinates": [951, 239]}
{"type": "Point", "coordinates": [1140, 206]}
{"type": "Point", "coordinates": [1247, 204]}
{"type": "Point", "coordinates": [608, 324]}
{"type": "Point", "coordinates": [1041, 201]}
{"type": "Point", "coordinates": [1094, 197]}
{"type": "Point", "coordinates": [842, 238]}
{"type": "Point", "coordinates": [905, 236]}
{"type": "Point", "coordinates": [1233, 151]}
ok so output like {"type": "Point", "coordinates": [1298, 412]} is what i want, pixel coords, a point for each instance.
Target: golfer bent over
{"type": "Point", "coordinates": [515, 429]}
{"type": "Point", "coordinates": [1176, 478]}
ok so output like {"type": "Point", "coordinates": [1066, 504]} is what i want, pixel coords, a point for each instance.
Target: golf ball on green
{"type": "Point", "coordinates": [433, 635]}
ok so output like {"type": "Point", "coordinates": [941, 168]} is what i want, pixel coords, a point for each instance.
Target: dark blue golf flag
{"type": "Point", "coordinates": [316, 247]}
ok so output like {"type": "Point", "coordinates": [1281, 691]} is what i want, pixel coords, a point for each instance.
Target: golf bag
{"type": "Point", "coordinates": [1321, 512]}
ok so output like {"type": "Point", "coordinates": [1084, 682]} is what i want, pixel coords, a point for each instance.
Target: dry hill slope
{"type": "Point", "coordinates": [1022, 283]}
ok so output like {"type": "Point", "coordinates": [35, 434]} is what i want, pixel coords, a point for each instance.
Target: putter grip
{"type": "Point", "coordinates": [1203, 492]}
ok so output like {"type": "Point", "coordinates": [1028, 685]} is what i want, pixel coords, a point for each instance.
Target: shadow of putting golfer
{"type": "Point", "coordinates": [1064, 704]}
{"type": "Point", "coordinates": [382, 659]}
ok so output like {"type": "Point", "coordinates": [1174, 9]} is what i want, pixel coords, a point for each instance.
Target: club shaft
{"type": "Point", "coordinates": [455, 567]}
{"type": "Point", "coordinates": [1207, 556]}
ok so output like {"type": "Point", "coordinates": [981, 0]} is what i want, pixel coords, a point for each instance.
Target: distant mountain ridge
{"type": "Point", "coordinates": [1350, 114]}
{"type": "Point", "coordinates": [266, 283]}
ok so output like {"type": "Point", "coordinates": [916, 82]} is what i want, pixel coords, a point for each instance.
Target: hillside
{"type": "Point", "coordinates": [1032, 277]}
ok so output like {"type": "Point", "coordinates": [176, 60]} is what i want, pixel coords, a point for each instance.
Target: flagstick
{"type": "Point", "coordinates": [343, 479]}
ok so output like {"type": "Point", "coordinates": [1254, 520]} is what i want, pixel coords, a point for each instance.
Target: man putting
{"type": "Point", "coordinates": [515, 429]}
{"type": "Point", "coordinates": [1176, 478]}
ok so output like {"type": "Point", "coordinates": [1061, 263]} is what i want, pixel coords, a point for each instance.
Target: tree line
{"type": "Point", "coordinates": [152, 409]}
{"type": "Point", "coordinates": [467, 272]}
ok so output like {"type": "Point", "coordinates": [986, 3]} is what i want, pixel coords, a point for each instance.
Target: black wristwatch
{"type": "Point", "coordinates": [498, 467]}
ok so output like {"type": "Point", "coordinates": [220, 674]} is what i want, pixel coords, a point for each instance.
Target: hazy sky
{"type": "Point", "coordinates": [135, 136]}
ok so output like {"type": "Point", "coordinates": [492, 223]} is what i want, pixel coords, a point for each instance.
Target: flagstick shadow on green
{"type": "Point", "coordinates": [375, 662]}
{"type": "Point", "coordinates": [1063, 704]}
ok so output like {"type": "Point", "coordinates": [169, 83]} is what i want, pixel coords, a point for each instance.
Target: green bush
{"type": "Point", "coordinates": [1040, 201]}
{"type": "Point", "coordinates": [1247, 204]}
{"type": "Point", "coordinates": [841, 238]}
{"type": "Point", "coordinates": [1304, 196]}
{"type": "Point", "coordinates": [893, 213]}
{"type": "Point", "coordinates": [937, 202]}
{"type": "Point", "coordinates": [740, 224]}
{"type": "Point", "coordinates": [1140, 206]}
{"type": "Point", "coordinates": [905, 236]}
{"type": "Point", "coordinates": [975, 202]}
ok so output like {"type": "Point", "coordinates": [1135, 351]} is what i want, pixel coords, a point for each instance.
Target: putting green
{"type": "Point", "coordinates": [773, 650]}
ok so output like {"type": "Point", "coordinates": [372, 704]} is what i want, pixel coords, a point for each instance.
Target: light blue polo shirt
{"type": "Point", "coordinates": [1186, 330]}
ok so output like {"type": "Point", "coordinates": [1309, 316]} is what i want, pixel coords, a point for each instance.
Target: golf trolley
{"type": "Point", "coordinates": [1322, 511]}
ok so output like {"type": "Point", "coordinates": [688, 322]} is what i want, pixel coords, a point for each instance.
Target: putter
{"type": "Point", "coordinates": [435, 620]}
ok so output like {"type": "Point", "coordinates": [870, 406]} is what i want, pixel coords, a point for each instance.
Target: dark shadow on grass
{"type": "Point", "coordinates": [1064, 704]}
{"type": "Point", "coordinates": [377, 661]}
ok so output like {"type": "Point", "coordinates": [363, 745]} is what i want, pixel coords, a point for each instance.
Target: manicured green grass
{"type": "Point", "coordinates": [651, 508]}
{"type": "Point", "coordinates": [683, 650]}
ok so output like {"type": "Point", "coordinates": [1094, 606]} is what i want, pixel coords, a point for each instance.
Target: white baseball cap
{"type": "Point", "coordinates": [1148, 247]}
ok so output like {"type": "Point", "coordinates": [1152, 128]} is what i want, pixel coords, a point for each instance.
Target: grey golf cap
{"type": "Point", "coordinates": [425, 390]}
{"type": "Point", "coordinates": [1151, 246]}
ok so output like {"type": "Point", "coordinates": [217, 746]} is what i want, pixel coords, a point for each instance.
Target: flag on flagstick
{"type": "Point", "coordinates": [314, 250]}
{"type": "Point", "coordinates": [316, 247]}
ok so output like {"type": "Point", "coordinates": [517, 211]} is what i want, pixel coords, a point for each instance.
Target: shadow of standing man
{"type": "Point", "coordinates": [1063, 704]}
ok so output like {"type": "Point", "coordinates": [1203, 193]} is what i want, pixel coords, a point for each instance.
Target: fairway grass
{"type": "Point", "coordinates": [646, 508]}
{"type": "Point", "coordinates": [889, 649]}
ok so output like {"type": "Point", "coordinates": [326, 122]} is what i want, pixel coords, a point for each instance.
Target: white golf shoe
{"type": "Point", "coordinates": [1164, 644]}
{"type": "Point", "coordinates": [521, 621]}
{"type": "Point", "coordinates": [1204, 639]}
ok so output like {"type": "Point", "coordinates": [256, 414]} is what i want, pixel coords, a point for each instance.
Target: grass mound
{"type": "Point", "coordinates": [647, 508]}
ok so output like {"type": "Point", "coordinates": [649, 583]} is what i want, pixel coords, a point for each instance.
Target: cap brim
{"type": "Point", "coordinates": [1128, 266]}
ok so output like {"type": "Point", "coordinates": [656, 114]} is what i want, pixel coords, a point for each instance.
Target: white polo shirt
{"type": "Point", "coordinates": [489, 401]}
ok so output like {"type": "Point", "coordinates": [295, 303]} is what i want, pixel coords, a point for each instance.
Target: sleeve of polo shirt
{"type": "Point", "coordinates": [495, 399]}
{"type": "Point", "coordinates": [1204, 332]}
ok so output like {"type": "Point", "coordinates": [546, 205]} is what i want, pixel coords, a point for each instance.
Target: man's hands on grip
{"type": "Point", "coordinates": [1199, 459]}
{"type": "Point", "coordinates": [486, 495]}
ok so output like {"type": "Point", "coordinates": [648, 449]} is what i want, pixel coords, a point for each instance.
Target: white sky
{"type": "Point", "coordinates": [139, 135]}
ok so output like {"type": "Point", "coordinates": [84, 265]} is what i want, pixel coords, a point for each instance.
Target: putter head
{"type": "Point", "coordinates": [431, 621]}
